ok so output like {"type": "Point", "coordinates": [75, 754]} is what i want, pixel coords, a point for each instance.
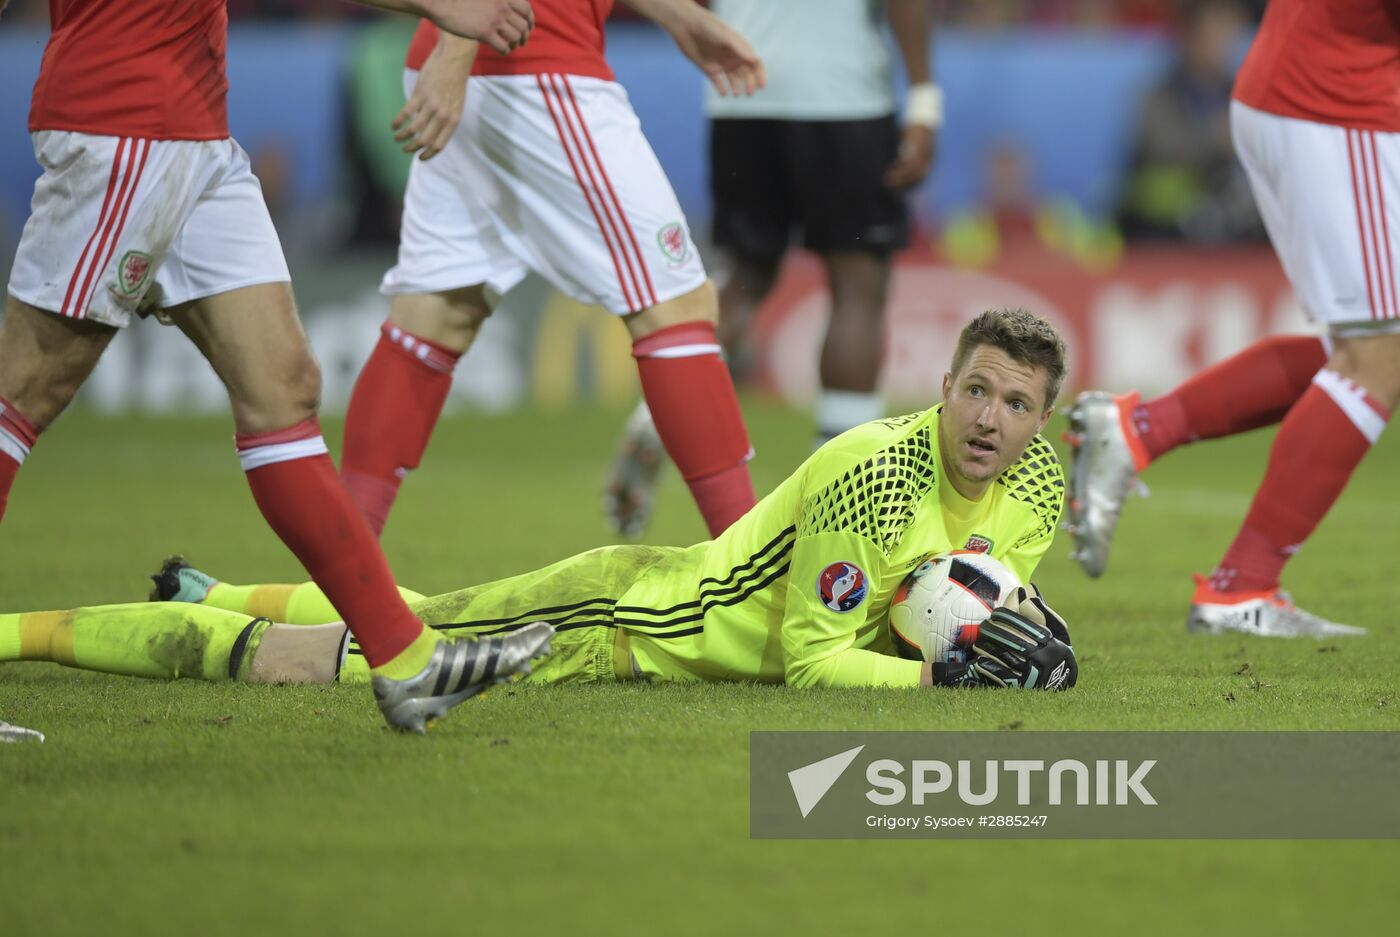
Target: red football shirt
{"type": "Point", "coordinates": [568, 38]}
{"type": "Point", "coordinates": [1330, 61]}
{"type": "Point", "coordinates": [134, 68]}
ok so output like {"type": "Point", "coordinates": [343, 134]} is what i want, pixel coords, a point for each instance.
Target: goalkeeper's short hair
{"type": "Point", "coordinates": [1023, 336]}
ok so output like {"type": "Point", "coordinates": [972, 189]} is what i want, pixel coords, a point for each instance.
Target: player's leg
{"type": "Point", "coordinates": [577, 597]}
{"type": "Point", "coordinates": [854, 345]}
{"type": "Point", "coordinates": [1249, 390]}
{"type": "Point", "coordinates": [401, 391]}
{"type": "Point", "coordinates": [176, 641]}
{"type": "Point", "coordinates": [1322, 440]}
{"type": "Point", "coordinates": [584, 201]}
{"type": "Point", "coordinates": [140, 640]}
{"type": "Point", "coordinates": [691, 398]}
{"type": "Point", "coordinates": [451, 265]}
{"type": "Point", "coordinates": [44, 359]}
{"type": "Point", "coordinates": [753, 214]}
{"type": "Point", "coordinates": [631, 485]}
{"type": "Point", "coordinates": [1114, 437]}
{"type": "Point", "coordinates": [611, 231]}
{"type": "Point", "coordinates": [850, 217]}
{"type": "Point", "coordinates": [65, 297]}
{"type": "Point", "coordinates": [747, 281]}
{"type": "Point", "coordinates": [1336, 248]}
{"type": "Point", "coordinates": [1118, 436]}
{"type": "Point", "coordinates": [255, 343]}
{"type": "Point", "coordinates": [251, 336]}
{"type": "Point", "coordinates": [293, 603]}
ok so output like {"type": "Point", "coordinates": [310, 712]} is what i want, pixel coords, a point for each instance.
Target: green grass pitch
{"type": "Point", "coordinates": [194, 808]}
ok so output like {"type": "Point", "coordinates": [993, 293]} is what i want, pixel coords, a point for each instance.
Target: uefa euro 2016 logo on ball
{"type": "Point", "coordinates": [937, 609]}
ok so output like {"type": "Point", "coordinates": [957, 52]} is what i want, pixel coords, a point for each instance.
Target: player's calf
{"type": "Point", "coordinates": [692, 402]}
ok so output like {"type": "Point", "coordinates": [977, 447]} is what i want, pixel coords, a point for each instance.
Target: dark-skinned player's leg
{"type": "Point", "coordinates": [853, 349]}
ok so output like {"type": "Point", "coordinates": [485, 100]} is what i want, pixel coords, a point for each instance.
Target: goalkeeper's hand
{"type": "Point", "coordinates": [1029, 602]}
{"type": "Point", "coordinates": [1012, 650]}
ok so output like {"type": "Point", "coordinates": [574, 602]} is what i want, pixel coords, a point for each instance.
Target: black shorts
{"type": "Point", "coordinates": [823, 178]}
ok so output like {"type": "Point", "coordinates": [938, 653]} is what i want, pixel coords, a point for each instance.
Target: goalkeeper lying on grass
{"type": "Point", "coordinates": [796, 591]}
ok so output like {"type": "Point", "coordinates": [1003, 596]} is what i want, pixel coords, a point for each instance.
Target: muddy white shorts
{"type": "Point", "coordinates": [549, 173]}
{"type": "Point", "coordinates": [1327, 194]}
{"type": "Point", "coordinates": [121, 225]}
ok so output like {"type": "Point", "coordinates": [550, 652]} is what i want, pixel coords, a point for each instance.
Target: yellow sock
{"type": "Point", "coordinates": [411, 660]}
{"type": "Point", "coordinates": [227, 596]}
{"type": "Point", "coordinates": [37, 636]}
{"type": "Point", "coordinates": [9, 637]}
{"type": "Point", "coordinates": [302, 604]}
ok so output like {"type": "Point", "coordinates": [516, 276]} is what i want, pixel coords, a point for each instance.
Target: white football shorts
{"type": "Point", "coordinates": [549, 173]}
{"type": "Point", "coordinates": [120, 225]}
{"type": "Point", "coordinates": [1327, 194]}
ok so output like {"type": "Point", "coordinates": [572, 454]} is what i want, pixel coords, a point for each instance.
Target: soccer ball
{"type": "Point", "coordinates": [938, 607]}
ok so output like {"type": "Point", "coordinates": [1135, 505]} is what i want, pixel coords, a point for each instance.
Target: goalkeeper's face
{"type": "Point", "coordinates": [992, 409]}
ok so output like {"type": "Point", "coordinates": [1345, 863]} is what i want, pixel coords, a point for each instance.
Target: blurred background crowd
{"type": "Point", "coordinates": [1169, 175]}
{"type": "Point", "coordinates": [1084, 169]}
{"type": "Point", "coordinates": [978, 13]}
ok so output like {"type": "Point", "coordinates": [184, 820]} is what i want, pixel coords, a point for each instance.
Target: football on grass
{"type": "Point", "coordinates": [938, 607]}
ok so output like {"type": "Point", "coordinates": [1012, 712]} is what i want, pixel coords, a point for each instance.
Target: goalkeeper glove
{"type": "Point", "coordinates": [1012, 650]}
{"type": "Point", "coordinates": [1029, 602]}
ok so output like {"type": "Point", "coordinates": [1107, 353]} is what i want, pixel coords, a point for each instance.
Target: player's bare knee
{"type": "Point", "coordinates": [699, 305]}
{"type": "Point", "coordinates": [1373, 362]}
{"type": "Point", "coordinates": [40, 401]}
{"type": "Point", "coordinates": [304, 386]}
{"type": "Point", "coordinates": [285, 393]}
{"type": "Point", "coordinates": [45, 358]}
{"type": "Point", "coordinates": [300, 387]}
{"type": "Point", "coordinates": [450, 318]}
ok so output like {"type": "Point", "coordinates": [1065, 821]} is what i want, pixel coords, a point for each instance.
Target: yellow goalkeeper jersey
{"type": "Point", "coordinates": [798, 590]}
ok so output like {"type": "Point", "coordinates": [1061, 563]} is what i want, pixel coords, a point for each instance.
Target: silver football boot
{"type": "Point", "coordinates": [630, 489]}
{"type": "Point", "coordinates": [1271, 616]}
{"type": "Point", "coordinates": [1102, 474]}
{"type": "Point", "coordinates": [9, 733]}
{"type": "Point", "coordinates": [459, 669]}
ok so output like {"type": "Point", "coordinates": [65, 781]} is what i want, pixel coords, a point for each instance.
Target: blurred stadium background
{"type": "Point", "coordinates": [1084, 172]}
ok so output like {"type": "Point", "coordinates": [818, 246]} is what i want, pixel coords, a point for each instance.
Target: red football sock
{"type": "Point", "coordinates": [1252, 389]}
{"type": "Point", "coordinates": [297, 489]}
{"type": "Point", "coordinates": [17, 436]}
{"type": "Point", "coordinates": [1320, 443]}
{"type": "Point", "coordinates": [395, 405]}
{"type": "Point", "coordinates": [696, 412]}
